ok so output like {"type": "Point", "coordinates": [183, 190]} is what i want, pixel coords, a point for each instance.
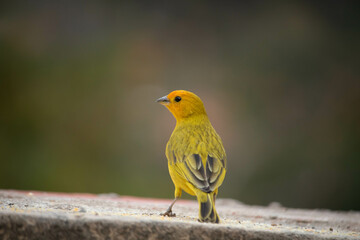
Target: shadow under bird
{"type": "Point", "coordinates": [195, 153]}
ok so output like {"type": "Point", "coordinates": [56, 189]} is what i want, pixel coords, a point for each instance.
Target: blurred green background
{"type": "Point", "coordinates": [280, 82]}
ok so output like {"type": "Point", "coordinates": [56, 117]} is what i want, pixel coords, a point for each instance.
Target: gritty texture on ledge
{"type": "Point", "coordinates": [40, 215]}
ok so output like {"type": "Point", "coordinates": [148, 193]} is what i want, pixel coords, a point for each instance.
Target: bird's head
{"type": "Point", "coordinates": [183, 104]}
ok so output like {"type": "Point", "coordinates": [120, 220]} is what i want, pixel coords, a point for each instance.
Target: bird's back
{"type": "Point", "coordinates": [196, 153]}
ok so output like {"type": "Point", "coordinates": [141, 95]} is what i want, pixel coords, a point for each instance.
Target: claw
{"type": "Point", "coordinates": [168, 214]}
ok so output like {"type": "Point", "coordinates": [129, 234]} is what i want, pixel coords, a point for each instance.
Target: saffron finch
{"type": "Point", "coordinates": [195, 153]}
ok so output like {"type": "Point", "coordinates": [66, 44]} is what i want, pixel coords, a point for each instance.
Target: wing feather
{"type": "Point", "coordinates": [205, 179]}
{"type": "Point", "coordinates": [198, 158]}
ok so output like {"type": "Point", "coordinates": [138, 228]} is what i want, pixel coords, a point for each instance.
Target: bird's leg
{"type": "Point", "coordinates": [169, 212]}
{"type": "Point", "coordinates": [215, 194]}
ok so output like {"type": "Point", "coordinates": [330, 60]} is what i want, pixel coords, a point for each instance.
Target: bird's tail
{"type": "Point", "coordinates": [207, 211]}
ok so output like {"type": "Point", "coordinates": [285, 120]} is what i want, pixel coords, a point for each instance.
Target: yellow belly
{"type": "Point", "coordinates": [179, 181]}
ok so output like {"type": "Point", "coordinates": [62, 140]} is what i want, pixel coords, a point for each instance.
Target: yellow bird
{"type": "Point", "coordinates": [195, 153]}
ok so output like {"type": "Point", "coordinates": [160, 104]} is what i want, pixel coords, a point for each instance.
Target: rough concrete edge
{"type": "Point", "coordinates": [15, 225]}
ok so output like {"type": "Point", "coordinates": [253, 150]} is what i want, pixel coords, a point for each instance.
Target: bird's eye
{"type": "Point", "coordinates": [177, 99]}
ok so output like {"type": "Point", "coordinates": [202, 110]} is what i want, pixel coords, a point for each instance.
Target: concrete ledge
{"type": "Point", "coordinates": [39, 215]}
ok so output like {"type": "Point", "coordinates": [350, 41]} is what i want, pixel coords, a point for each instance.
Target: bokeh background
{"type": "Point", "coordinates": [280, 82]}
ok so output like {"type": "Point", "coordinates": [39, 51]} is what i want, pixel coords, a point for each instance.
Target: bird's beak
{"type": "Point", "coordinates": [163, 100]}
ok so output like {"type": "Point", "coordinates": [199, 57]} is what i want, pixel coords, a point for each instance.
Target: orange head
{"type": "Point", "coordinates": [183, 104]}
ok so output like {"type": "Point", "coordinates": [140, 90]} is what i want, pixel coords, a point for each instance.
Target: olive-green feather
{"type": "Point", "coordinates": [196, 151]}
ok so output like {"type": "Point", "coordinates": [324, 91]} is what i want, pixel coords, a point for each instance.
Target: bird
{"type": "Point", "coordinates": [195, 153]}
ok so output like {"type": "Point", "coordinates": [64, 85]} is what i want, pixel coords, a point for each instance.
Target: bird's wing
{"type": "Point", "coordinates": [205, 174]}
{"type": "Point", "coordinates": [197, 157]}
{"type": "Point", "coordinates": [206, 177]}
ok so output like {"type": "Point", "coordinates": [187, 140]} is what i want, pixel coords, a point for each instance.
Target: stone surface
{"type": "Point", "coordinates": [39, 215]}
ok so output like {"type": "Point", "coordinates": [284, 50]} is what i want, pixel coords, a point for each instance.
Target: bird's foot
{"type": "Point", "coordinates": [168, 213]}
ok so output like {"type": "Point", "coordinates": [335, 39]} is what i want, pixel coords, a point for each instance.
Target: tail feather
{"type": "Point", "coordinates": [207, 211]}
